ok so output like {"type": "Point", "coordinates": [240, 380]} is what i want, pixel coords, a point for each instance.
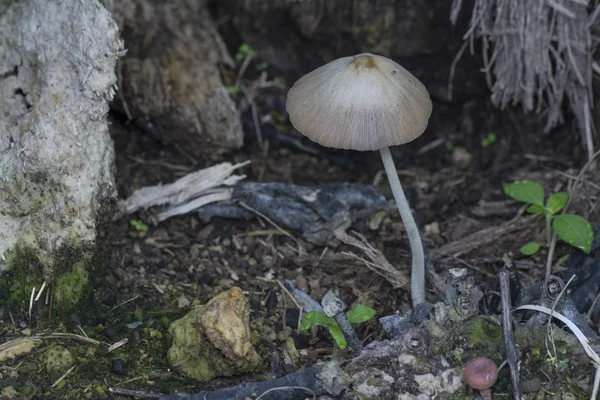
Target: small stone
{"type": "Point", "coordinates": [267, 261]}
{"type": "Point", "coordinates": [183, 301]}
{"type": "Point", "coordinates": [284, 334]}
{"type": "Point", "coordinates": [433, 228]}
{"type": "Point", "coordinates": [133, 325]}
{"type": "Point", "coordinates": [291, 317]}
{"type": "Point", "coordinates": [461, 157]}
{"type": "Point", "coordinates": [302, 282]}
{"type": "Point", "coordinates": [136, 337]}
{"type": "Point", "coordinates": [118, 367]}
{"type": "Point", "coordinates": [215, 339]}
{"type": "Point", "coordinates": [271, 302]}
{"type": "Point", "coordinates": [204, 233]}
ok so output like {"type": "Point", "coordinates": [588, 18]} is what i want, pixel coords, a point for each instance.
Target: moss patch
{"type": "Point", "coordinates": [67, 280]}
{"type": "Point", "coordinates": [69, 287]}
{"type": "Point", "coordinates": [24, 273]}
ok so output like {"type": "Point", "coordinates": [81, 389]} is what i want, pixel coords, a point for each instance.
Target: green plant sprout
{"type": "Point", "coordinates": [279, 82]}
{"type": "Point", "coordinates": [571, 228]}
{"type": "Point", "coordinates": [234, 91]}
{"type": "Point", "coordinates": [359, 313]}
{"type": "Point", "coordinates": [138, 225]}
{"type": "Point", "coordinates": [488, 140]}
{"type": "Point", "coordinates": [449, 145]}
{"type": "Point", "coordinates": [245, 51]}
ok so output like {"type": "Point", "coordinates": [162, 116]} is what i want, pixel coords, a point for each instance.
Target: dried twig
{"type": "Point", "coordinates": [509, 345]}
{"type": "Point", "coordinates": [282, 287]}
{"type": "Point", "coordinates": [250, 99]}
{"type": "Point", "coordinates": [481, 238]}
{"type": "Point", "coordinates": [62, 377]}
{"type": "Point", "coordinates": [136, 393]}
{"type": "Point", "coordinates": [594, 395]}
{"type": "Point", "coordinates": [376, 260]}
{"type": "Point", "coordinates": [314, 396]}
{"type": "Point", "coordinates": [185, 194]}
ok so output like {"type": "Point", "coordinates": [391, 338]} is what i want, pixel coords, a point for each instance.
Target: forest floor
{"type": "Point", "coordinates": [453, 182]}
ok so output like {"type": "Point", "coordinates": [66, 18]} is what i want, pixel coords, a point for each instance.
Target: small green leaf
{"type": "Point", "coordinates": [317, 318]}
{"type": "Point", "coordinates": [280, 82]}
{"type": "Point", "coordinates": [556, 202]}
{"type": "Point", "coordinates": [535, 208]}
{"type": "Point", "coordinates": [360, 313]}
{"type": "Point", "coordinates": [488, 140]}
{"type": "Point", "coordinates": [530, 248]}
{"type": "Point", "coordinates": [338, 336]}
{"type": "Point", "coordinates": [139, 225]}
{"type": "Point", "coordinates": [574, 230]}
{"type": "Point", "coordinates": [526, 191]}
{"type": "Point", "coordinates": [245, 51]}
{"type": "Point", "coordinates": [233, 90]}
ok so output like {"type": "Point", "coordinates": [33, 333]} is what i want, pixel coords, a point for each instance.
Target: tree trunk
{"type": "Point", "coordinates": [57, 63]}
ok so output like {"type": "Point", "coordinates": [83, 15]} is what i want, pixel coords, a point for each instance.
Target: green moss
{"type": "Point", "coordinates": [69, 286]}
{"type": "Point", "coordinates": [66, 279]}
{"type": "Point", "coordinates": [37, 203]}
{"type": "Point", "coordinates": [458, 354]}
{"type": "Point", "coordinates": [480, 336]}
{"type": "Point", "coordinates": [24, 272]}
{"type": "Point", "coordinates": [482, 331]}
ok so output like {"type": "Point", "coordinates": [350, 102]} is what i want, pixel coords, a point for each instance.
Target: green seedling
{"type": "Point", "coordinates": [279, 82]}
{"type": "Point", "coordinates": [488, 140]}
{"type": "Point", "coordinates": [245, 51]}
{"type": "Point", "coordinates": [449, 145]}
{"type": "Point", "coordinates": [234, 91]}
{"type": "Point", "coordinates": [359, 313]}
{"type": "Point", "coordinates": [571, 228]}
{"type": "Point", "coordinates": [138, 225]}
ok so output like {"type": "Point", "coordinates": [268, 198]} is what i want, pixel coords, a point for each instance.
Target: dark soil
{"type": "Point", "coordinates": [454, 187]}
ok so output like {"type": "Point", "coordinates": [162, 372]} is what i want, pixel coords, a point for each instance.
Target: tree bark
{"type": "Point", "coordinates": [57, 62]}
{"type": "Point", "coordinates": [170, 78]}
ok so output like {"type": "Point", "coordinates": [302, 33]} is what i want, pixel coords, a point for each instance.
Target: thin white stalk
{"type": "Point", "coordinates": [417, 279]}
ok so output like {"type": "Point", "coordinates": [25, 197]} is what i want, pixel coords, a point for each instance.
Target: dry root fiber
{"type": "Point", "coordinates": [537, 54]}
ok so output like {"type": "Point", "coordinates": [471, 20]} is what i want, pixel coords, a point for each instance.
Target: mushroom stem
{"type": "Point", "coordinates": [417, 279]}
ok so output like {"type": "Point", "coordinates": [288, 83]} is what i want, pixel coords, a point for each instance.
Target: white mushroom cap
{"type": "Point", "coordinates": [363, 102]}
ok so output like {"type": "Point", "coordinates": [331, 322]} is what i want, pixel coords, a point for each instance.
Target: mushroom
{"type": "Point", "coordinates": [367, 102]}
{"type": "Point", "coordinates": [481, 373]}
